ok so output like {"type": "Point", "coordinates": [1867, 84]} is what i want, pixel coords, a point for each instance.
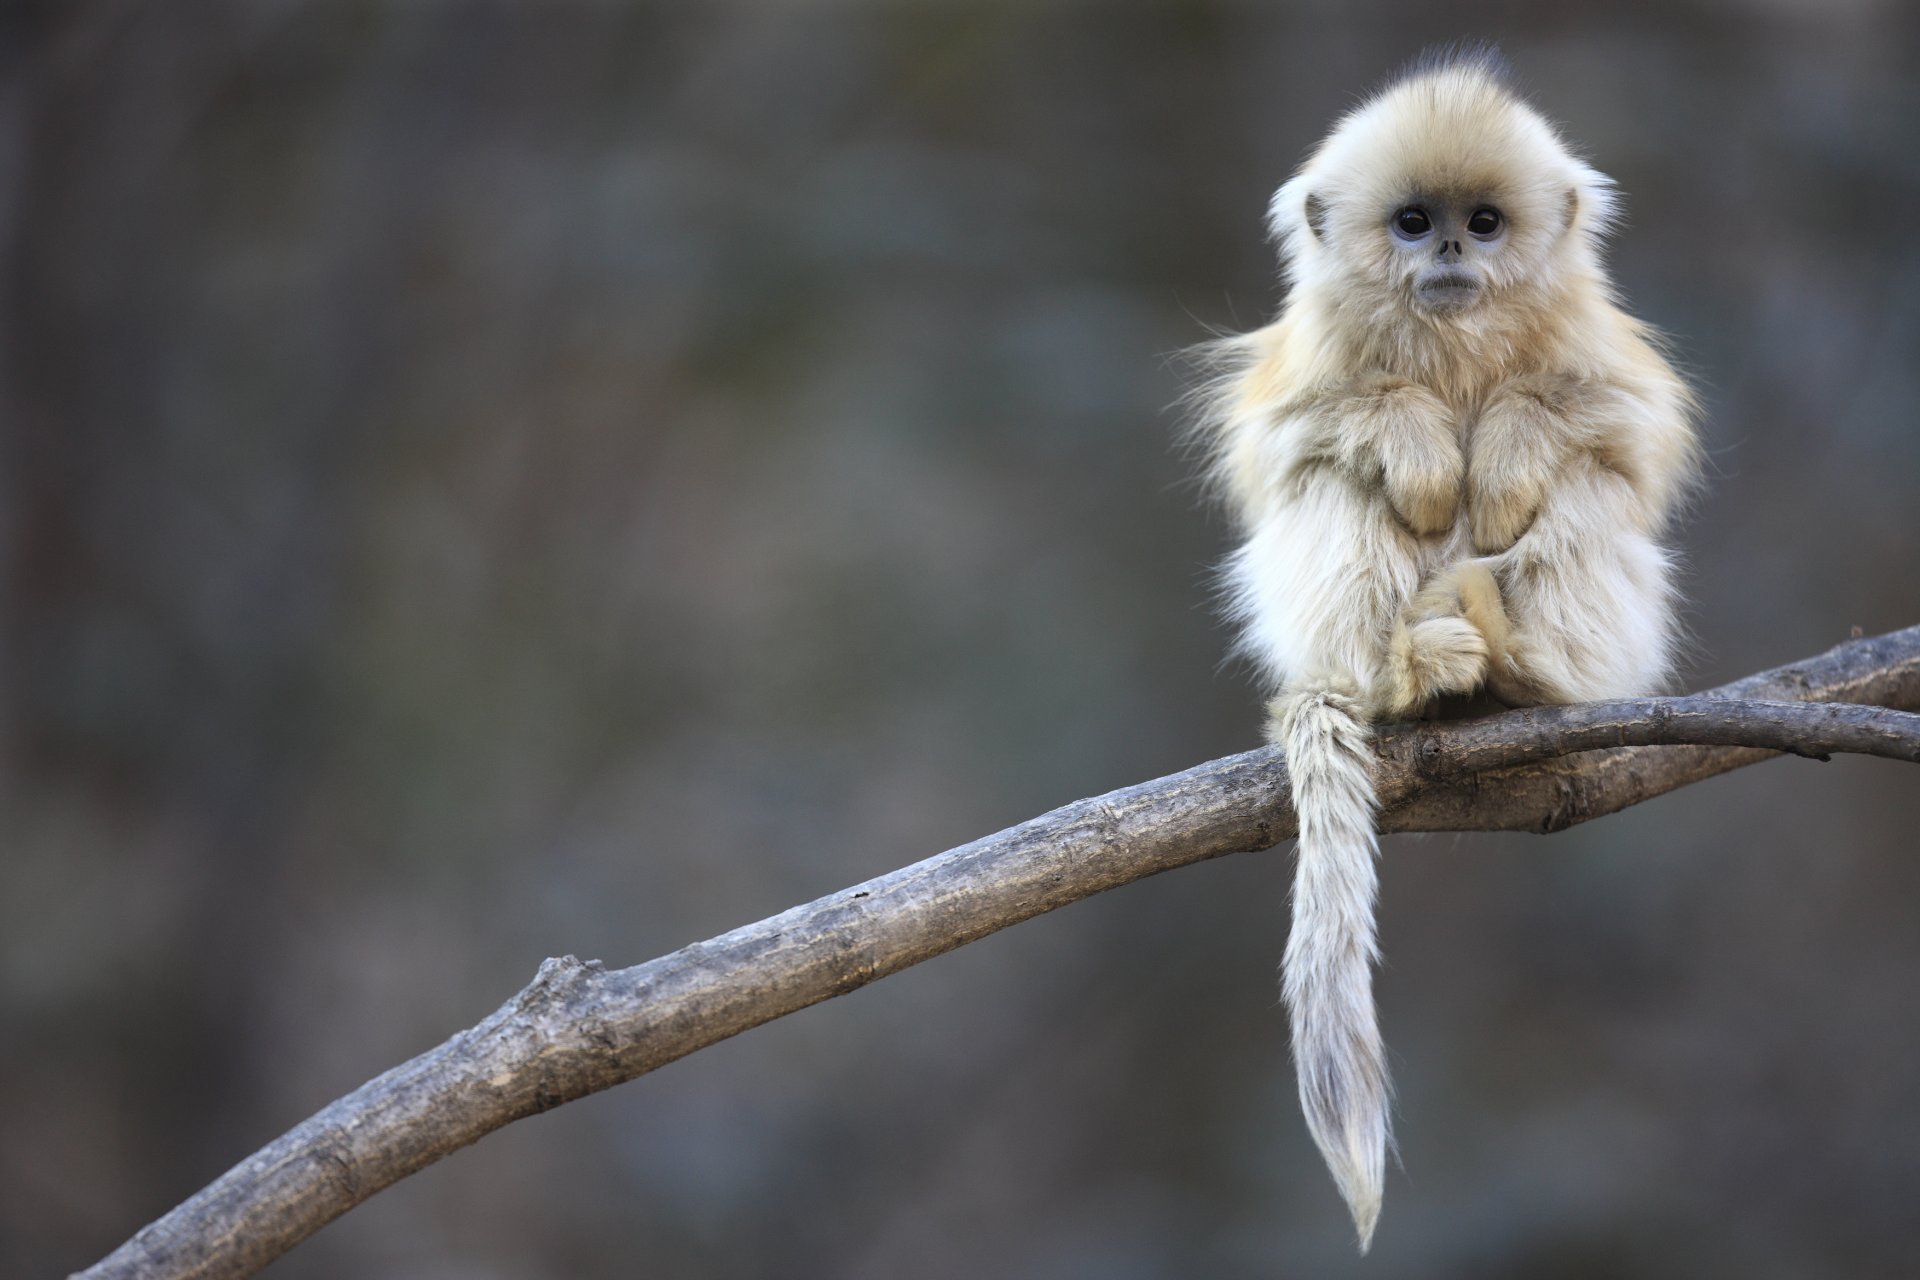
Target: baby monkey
{"type": "Point", "coordinates": [1452, 458]}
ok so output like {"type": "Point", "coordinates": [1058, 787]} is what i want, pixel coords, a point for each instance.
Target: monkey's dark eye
{"type": "Point", "coordinates": [1483, 222]}
{"type": "Point", "coordinates": [1412, 223]}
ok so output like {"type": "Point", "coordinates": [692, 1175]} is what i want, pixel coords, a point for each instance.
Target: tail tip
{"type": "Point", "coordinates": [1366, 1216]}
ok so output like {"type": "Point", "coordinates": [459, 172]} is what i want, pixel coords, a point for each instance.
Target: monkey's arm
{"type": "Point", "coordinates": [1579, 605]}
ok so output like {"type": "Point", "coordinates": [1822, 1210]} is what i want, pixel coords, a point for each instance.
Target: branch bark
{"type": "Point", "coordinates": [579, 1028]}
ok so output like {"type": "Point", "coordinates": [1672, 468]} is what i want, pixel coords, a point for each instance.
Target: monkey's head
{"type": "Point", "coordinates": [1444, 196]}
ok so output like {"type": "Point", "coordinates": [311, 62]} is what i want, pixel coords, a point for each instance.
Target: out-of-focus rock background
{"type": "Point", "coordinates": [484, 481]}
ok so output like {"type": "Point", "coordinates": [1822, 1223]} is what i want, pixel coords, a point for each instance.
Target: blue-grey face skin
{"type": "Point", "coordinates": [1449, 242]}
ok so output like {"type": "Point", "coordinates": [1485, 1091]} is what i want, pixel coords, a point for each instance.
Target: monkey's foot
{"type": "Point", "coordinates": [1469, 590]}
{"type": "Point", "coordinates": [1431, 657]}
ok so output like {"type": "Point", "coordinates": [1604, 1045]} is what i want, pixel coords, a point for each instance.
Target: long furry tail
{"type": "Point", "coordinates": [1328, 972]}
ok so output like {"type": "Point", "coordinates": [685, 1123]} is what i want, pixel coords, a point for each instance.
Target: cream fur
{"type": "Point", "coordinates": [1434, 502]}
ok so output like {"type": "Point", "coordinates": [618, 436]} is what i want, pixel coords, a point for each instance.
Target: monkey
{"type": "Point", "coordinates": [1452, 458]}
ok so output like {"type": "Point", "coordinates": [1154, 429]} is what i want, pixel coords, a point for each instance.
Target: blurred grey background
{"type": "Point", "coordinates": [485, 481]}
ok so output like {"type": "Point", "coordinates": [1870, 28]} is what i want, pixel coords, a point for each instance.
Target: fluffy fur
{"type": "Point", "coordinates": [1452, 457]}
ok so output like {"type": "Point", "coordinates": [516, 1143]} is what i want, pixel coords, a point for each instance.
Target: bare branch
{"type": "Point", "coordinates": [579, 1028]}
{"type": "Point", "coordinates": [1815, 730]}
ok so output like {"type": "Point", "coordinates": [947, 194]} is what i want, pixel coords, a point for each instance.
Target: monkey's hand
{"type": "Point", "coordinates": [1523, 438]}
{"type": "Point", "coordinates": [1402, 437]}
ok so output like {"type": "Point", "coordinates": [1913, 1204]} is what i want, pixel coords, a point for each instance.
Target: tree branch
{"type": "Point", "coordinates": [579, 1028]}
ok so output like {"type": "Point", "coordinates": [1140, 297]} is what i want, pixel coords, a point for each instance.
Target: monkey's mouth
{"type": "Point", "coordinates": [1448, 290]}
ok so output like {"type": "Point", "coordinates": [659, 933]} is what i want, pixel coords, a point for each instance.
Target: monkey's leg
{"type": "Point", "coordinates": [1322, 586]}
{"type": "Point", "coordinates": [1375, 477]}
{"type": "Point", "coordinates": [1319, 583]}
{"type": "Point", "coordinates": [1587, 596]}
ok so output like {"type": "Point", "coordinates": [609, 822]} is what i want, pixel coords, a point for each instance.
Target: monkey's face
{"type": "Point", "coordinates": [1447, 251]}
{"type": "Point", "coordinates": [1444, 198]}
{"type": "Point", "coordinates": [1461, 250]}
{"type": "Point", "coordinates": [1445, 246]}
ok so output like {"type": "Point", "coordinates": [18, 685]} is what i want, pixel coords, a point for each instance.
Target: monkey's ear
{"type": "Point", "coordinates": [1316, 216]}
{"type": "Point", "coordinates": [1573, 207]}
{"type": "Point", "coordinates": [1293, 209]}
